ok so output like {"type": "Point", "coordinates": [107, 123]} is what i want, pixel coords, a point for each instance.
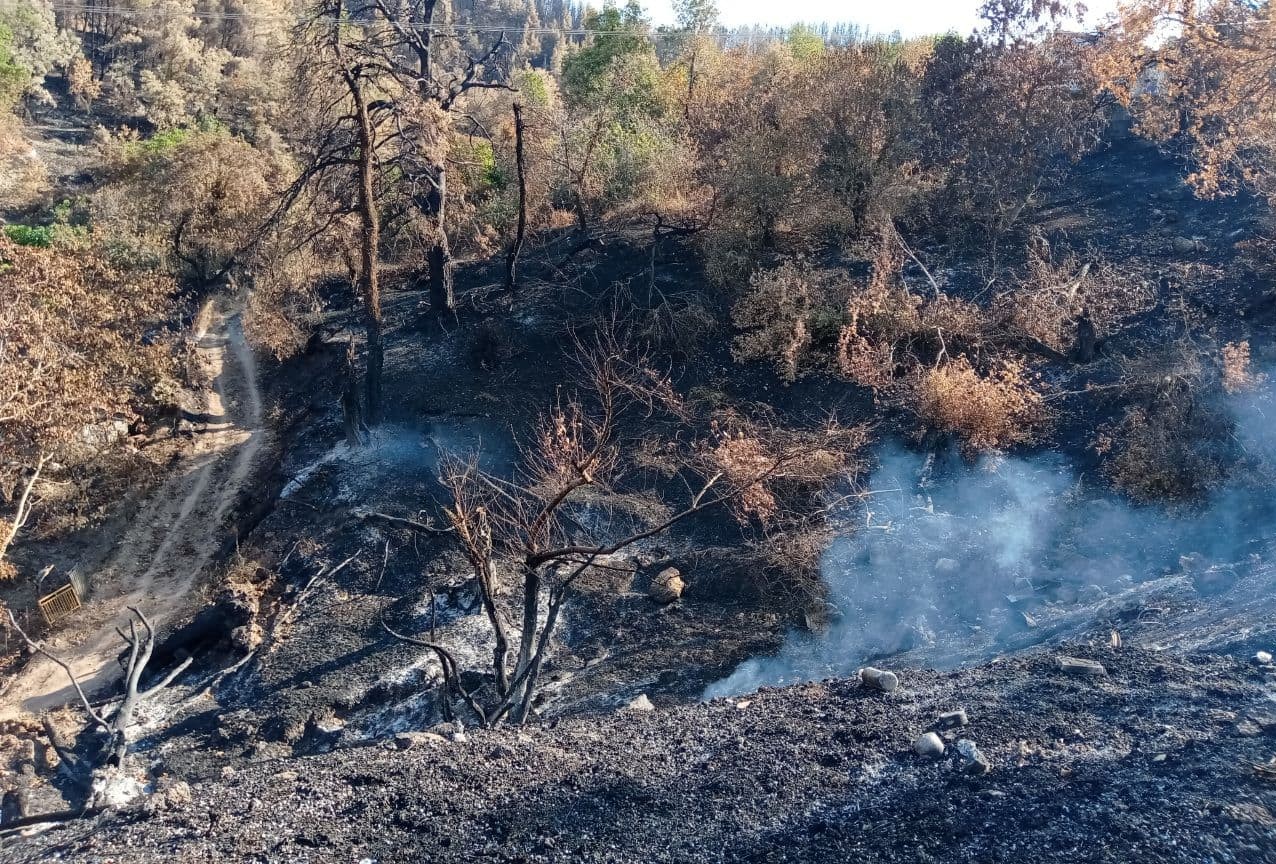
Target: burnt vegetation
{"type": "Point", "coordinates": [379, 366]}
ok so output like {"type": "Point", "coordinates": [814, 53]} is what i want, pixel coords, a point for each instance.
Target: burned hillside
{"type": "Point", "coordinates": [432, 444]}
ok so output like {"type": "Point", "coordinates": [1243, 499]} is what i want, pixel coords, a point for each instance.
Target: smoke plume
{"type": "Point", "coordinates": [945, 562]}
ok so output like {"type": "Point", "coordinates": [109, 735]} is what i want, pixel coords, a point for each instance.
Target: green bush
{"type": "Point", "coordinates": [40, 236]}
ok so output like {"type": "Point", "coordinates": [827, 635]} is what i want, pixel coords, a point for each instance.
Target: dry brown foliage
{"type": "Point", "coordinates": [1167, 452]}
{"type": "Point", "coordinates": [1173, 439]}
{"type": "Point", "coordinates": [1005, 111]}
{"type": "Point", "coordinates": [1052, 294]}
{"type": "Point", "coordinates": [1238, 372]}
{"type": "Point", "coordinates": [72, 355]}
{"type": "Point", "coordinates": [1200, 72]}
{"type": "Point", "coordinates": [775, 314]}
{"type": "Point", "coordinates": [192, 204]}
{"type": "Point", "coordinates": [797, 149]}
{"type": "Point", "coordinates": [990, 411]}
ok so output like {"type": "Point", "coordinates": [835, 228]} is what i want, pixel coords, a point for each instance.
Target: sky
{"type": "Point", "coordinates": [909, 17]}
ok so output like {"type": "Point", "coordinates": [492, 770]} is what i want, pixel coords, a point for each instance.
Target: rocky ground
{"type": "Point", "coordinates": [1156, 761]}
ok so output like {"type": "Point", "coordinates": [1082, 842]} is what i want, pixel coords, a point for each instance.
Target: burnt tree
{"type": "Point", "coordinates": [348, 150]}
{"type": "Point", "coordinates": [114, 724]}
{"type": "Point", "coordinates": [511, 261]}
{"type": "Point", "coordinates": [528, 552]}
{"type": "Point", "coordinates": [438, 79]}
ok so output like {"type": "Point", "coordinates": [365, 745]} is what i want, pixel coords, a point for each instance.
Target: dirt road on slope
{"type": "Point", "coordinates": [158, 563]}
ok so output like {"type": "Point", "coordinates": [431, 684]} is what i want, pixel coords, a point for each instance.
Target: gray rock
{"type": "Point", "coordinates": [976, 761]}
{"type": "Point", "coordinates": [667, 586]}
{"type": "Point", "coordinates": [1263, 658]}
{"type": "Point", "coordinates": [1079, 666]}
{"type": "Point", "coordinates": [409, 740]}
{"type": "Point", "coordinates": [880, 679]}
{"type": "Point", "coordinates": [1091, 594]}
{"type": "Point", "coordinates": [929, 746]}
{"type": "Point", "coordinates": [952, 719]}
{"type": "Point", "coordinates": [1214, 580]}
{"type": "Point", "coordinates": [1266, 720]}
{"type": "Point", "coordinates": [946, 567]}
{"type": "Point", "coordinates": [1187, 245]}
{"type": "Point", "coordinates": [1248, 729]}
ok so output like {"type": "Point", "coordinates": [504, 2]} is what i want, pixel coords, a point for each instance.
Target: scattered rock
{"type": "Point", "coordinates": [667, 586]}
{"type": "Point", "coordinates": [952, 719]}
{"type": "Point", "coordinates": [1078, 666]}
{"type": "Point", "coordinates": [1248, 729]}
{"type": "Point", "coordinates": [929, 746]}
{"type": "Point", "coordinates": [1091, 594]}
{"type": "Point", "coordinates": [870, 676]}
{"type": "Point", "coordinates": [408, 740]}
{"type": "Point", "coordinates": [1266, 720]}
{"type": "Point", "coordinates": [170, 794]}
{"type": "Point", "coordinates": [976, 761]}
{"type": "Point", "coordinates": [1187, 245]}
{"type": "Point", "coordinates": [1214, 580]}
{"type": "Point", "coordinates": [113, 788]}
{"type": "Point", "coordinates": [642, 703]}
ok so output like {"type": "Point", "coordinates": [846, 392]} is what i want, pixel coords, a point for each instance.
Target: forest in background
{"type": "Point", "coordinates": [827, 180]}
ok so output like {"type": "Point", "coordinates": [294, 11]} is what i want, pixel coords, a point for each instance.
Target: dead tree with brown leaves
{"type": "Point", "coordinates": [429, 63]}
{"type": "Point", "coordinates": [140, 642]}
{"type": "Point", "coordinates": [524, 538]}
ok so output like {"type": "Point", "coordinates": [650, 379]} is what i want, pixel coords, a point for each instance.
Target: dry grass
{"type": "Point", "coordinates": [1238, 372]}
{"type": "Point", "coordinates": [1171, 454]}
{"type": "Point", "coordinates": [987, 412]}
{"type": "Point", "coordinates": [1052, 295]}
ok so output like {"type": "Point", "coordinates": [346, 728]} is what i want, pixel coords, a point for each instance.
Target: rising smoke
{"type": "Point", "coordinates": [945, 562]}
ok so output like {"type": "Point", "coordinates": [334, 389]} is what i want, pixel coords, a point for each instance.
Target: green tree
{"type": "Point", "coordinates": [625, 33]}
{"type": "Point", "coordinates": [695, 16]}
{"type": "Point", "coordinates": [13, 76]}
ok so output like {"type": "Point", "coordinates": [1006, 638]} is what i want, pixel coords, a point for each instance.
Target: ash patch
{"type": "Point", "coordinates": [1154, 759]}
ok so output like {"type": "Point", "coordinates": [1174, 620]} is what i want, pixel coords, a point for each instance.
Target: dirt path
{"type": "Point", "coordinates": [158, 562]}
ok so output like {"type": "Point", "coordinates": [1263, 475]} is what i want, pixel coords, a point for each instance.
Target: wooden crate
{"type": "Point", "coordinates": [60, 603]}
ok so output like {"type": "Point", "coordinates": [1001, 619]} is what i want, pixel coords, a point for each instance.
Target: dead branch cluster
{"type": "Point", "coordinates": [568, 508]}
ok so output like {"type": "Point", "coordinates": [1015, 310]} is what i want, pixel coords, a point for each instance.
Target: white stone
{"type": "Point", "coordinates": [929, 746]}
{"type": "Point", "coordinates": [642, 703]}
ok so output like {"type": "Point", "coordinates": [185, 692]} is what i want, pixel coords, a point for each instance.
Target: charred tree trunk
{"type": "Point", "coordinates": [511, 263]}
{"type": "Point", "coordinates": [141, 644]}
{"type": "Point", "coordinates": [1087, 342]}
{"type": "Point", "coordinates": [16, 803]}
{"type": "Point", "coordinates": [439, 262]}
{"type": "Point", "coordinates": [352, 401]}
{"type": "Point", "coordinates": [369, 245]}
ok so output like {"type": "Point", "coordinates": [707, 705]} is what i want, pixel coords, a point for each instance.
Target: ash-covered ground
{"type": "Point", "coordinates": [1156, 761]}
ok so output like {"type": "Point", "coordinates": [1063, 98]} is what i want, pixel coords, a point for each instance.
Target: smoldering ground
{"type": "Point", "coordinates": [943, 561]}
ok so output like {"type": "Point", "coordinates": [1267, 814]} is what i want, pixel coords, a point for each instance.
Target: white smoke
{"type": "Point", "coordinates": [947, 562]}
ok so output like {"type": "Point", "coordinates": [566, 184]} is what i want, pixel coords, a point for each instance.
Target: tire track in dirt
{"type": "Point", "coordinates": [157, 564]}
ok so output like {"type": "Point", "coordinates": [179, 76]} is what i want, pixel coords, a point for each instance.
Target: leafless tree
{"type": "Point", "coordinates": [511, 261]}
{"type": "Point", "coordinates": [526, 528]}
{"type": "Point", "coordinates": [140, 642]}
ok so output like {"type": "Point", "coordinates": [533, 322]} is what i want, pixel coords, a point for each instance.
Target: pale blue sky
{"type": "Point", "coordinates": [910, 17]}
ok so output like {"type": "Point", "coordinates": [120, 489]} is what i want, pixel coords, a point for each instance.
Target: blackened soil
{"type": "Point", "coordinates": [1153, 763]}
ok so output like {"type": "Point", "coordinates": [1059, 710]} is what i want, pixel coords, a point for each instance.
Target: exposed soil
{"type": "Point", "coordinates": [159, 562]}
